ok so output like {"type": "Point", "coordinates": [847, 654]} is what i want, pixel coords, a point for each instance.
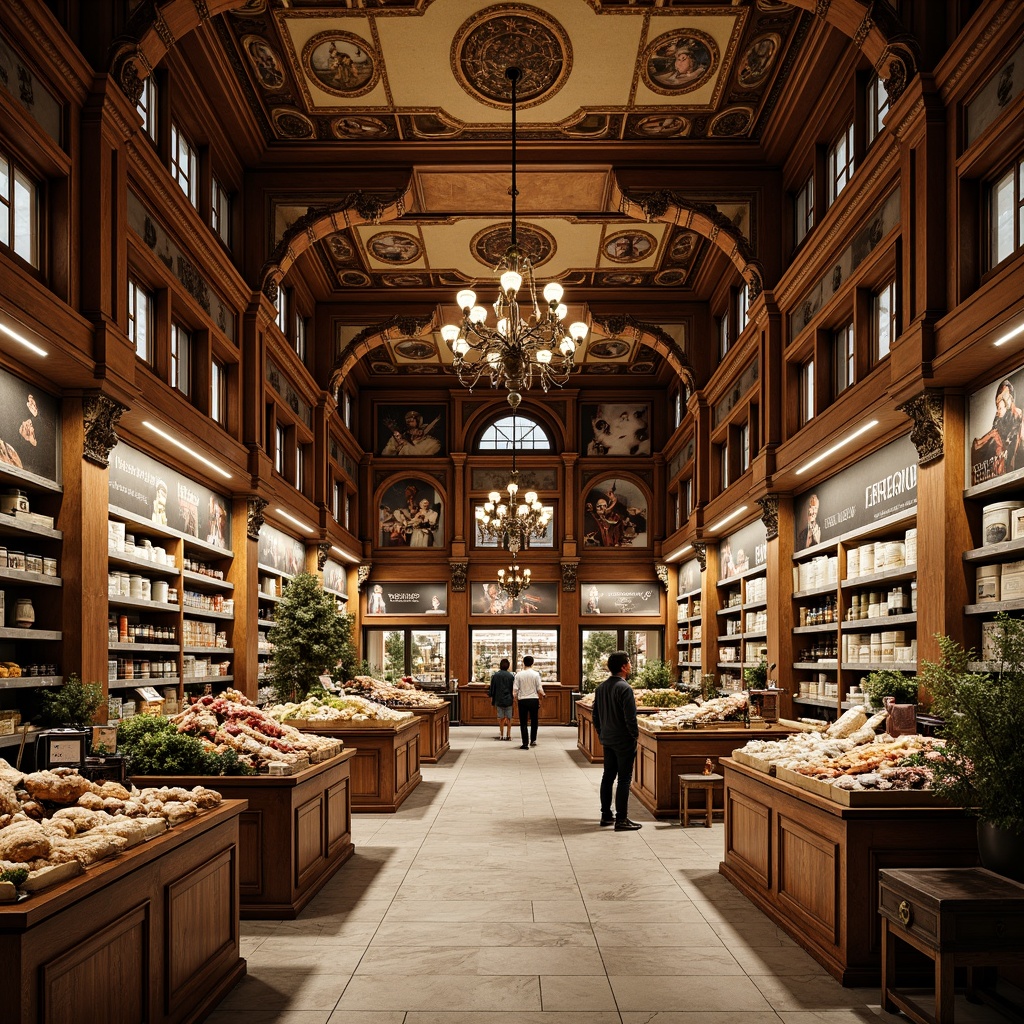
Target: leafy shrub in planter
{"type": "Point", "coordinates": [153, 746]}
{"type": "Point", "coordinates": [655, 675]}
{"type": "Point", "coordinates": [890, 683]}
{"type": "Point", "coordinates": [74, 704]}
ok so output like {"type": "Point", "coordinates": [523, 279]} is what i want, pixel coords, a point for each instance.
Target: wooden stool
{"type": "Point", "coordinates": [954, 916]}
{"type": "Point", "coordinates": [704, 782]}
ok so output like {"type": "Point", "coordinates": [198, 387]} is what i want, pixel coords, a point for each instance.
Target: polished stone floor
{"type": "Point", "coordinates": [492, 897]}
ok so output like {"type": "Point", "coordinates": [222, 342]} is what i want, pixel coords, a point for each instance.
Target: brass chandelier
{"type": "Point", "coordinates": [523, 342]}
{"type": "Point", "coordinates": [513, 522]}
{"type": "Point", "coordinates": [512, 581]}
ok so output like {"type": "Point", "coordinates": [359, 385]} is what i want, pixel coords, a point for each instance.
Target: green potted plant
{"type": "Point", "coordinates": [655, 675]}
{"type": "Point", "coordinates": [983, 722]}
{"type": "Point", "coordinates": [309, 638]}
{"type": "Point", "coordinates": [888, 682]}
{"type": "Point", "coordinates": [73, 705]}
{"type": "Point", "coordinates": [756, 676]}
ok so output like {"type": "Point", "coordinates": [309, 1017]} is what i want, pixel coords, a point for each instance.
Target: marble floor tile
{"type": "Point", "coordinates": [431, 921]}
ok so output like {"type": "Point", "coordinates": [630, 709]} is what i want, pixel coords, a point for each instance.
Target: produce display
{"type": "Point", "coordinates": [329, 708]}
{"type": "Point", "coordinates": [731, 708]}
{"type": "Point", "coordinates": [849, 755]}
{"type": "Point", "coordinates": [647, 699]}
{"type": "Point", "coordinates": [55, 823]}
{"type": "Point", "coordinates": [222, 735]}
{"type": "Point", "coordinates": [393, 695]}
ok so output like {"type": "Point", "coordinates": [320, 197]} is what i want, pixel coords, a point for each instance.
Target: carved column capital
{"type": "Point", "coordinates": [459, 571]}
{"type": "Point", "coordinates": [661, 569]}
{"type": "Point", "coordinates": [362, 575]}
{"type": "Point", "coordinates": [927, 412]}
{"type": "Point", "coordinates": [700, 550]}
{"type": "Point", "coordinates": [569, 570]}
{"type": "Point", "coordinates": [254, 516]}
{"type": "Point", "coordinates": [322, 551]}
{"type": "Point", "coordinates": [770, 515]}
{"type": "Point", "coordinates": [100, 415]}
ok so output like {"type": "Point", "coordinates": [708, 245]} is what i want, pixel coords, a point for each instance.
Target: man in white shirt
{"type": "Point", "coordinates": [528, 691]}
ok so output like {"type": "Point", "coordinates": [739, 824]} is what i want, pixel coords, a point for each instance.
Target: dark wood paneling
{"type": "Point", "coordinates": [309, 838]}
{"type": "Point", "coordinates": [250, 853]}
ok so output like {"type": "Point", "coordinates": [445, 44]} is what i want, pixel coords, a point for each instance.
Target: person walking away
{"type": "Point", "coordinates": [500, 692]}
{"type": "Point", "coordinates": [528, 690]}
{"type": "Point", "coordinates": [615, 724]}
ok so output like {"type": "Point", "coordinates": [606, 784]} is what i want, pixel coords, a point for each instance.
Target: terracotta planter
{"type": "Point", "coordinates": [1001, 850]}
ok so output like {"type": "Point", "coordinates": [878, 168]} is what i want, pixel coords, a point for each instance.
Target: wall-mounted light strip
{"type": "Point", "coordinates": [23, 340]}
{"type": "Point", "coordinates": [185, 448]}
{"type": "Point", "coordinates": [728, 519]}
{"type": "Point", "coordinates": [345, 554]}
{"type": "Point", "coordinates": [291, 519]}
{"type": "Point", "coordinates": [839, 444]}
{"type": "Point", "coordinates": [1009, 336]}
{"type": "Point", "coordinates": [679, 554]}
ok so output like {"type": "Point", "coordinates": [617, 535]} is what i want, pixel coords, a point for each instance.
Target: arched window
{"type": "Point", "coordinates": [529, 435]}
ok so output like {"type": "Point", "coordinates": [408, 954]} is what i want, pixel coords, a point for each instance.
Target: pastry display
{"type": "Point", "coordinates": [392, 695]}
{"type": "Point", "coordinates": [59, 818]}
{"type": "Point", "coordinates": [647, 699]}
{"type": "Point", "coordinates": [731, 708]}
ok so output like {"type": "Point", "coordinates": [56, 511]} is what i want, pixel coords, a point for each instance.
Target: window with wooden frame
{"type": "Point", "coordinates": [280, 442]}
{"type": "Point", "coordinates": [140, 320]}
{"type": "Point", "coordinates": [1004, 199]}
{"type": "Point", "coordinates": [300, 336]}
{"type": "Point", "coordinates": [220, 212]}
{"type": "Point", "coordinates": [722, 464]}
{"type": "Point", "coordinates": [185, 165]}
{"type": "Point", "coordinates": [218, 391]}
{"type": "Point", "coordinates": [19, 212]}
{"type": "Point", "coordinates": [883, 321]}
{"type": "Point", "coordinates": [283, 305]}
{"type": "Point", "coordinates": [179, 366]}
{"type": "Point", "coordinates": [844, 359]}
{"type": "Point", "coordinates": [147, 106]}
{"type": "Point", "coordinates": [338, 500]}
{"type": "Point", "coordinates": [876, 106]}
{"type": "Point", "coordinates": [839, 164]}
{"type": "Point", "coordinates": [742, 446]}
{"type": "Point", "coordinates": [724, 339]}
{"type": "Point", "coordinates": [805, 402]}
{"type": "Point", "coordinates": [803, 210]}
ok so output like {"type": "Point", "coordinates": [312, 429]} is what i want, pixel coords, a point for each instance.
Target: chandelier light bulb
{"type": "Point", "coordinates": [568, 346]}
{"type": "Point", "coordinates": [513, 488]}
{"type": "Point", "coordinates": [460, 347]}
{"type": "Point", "coordinates": [493, 357]}
{"type": "Point", "coordinates": [511, 282]}
{"type": "Point", "coordinates": [449, 332]}
{"type": "Point", "coordinates": [561, 311]}
{"type": "Point", "coordinates": [544, 355]}
{"type": "Point", "coordinates": [478, 315]}
{"type": "Point", "coordinates": [578, 330]}
{"type": "Point", "coordinates": [503, 327]}
{"type": "Point", "coordinates": [553, 292]}
{"type": "Point", "coordinates": [494, 497]}
{"type": "Point", "coordinates": [530, 497]}
{"type": "Point", "coordinates": [502, 511]}
{"type": "Point", "coordinates": [466, 299]}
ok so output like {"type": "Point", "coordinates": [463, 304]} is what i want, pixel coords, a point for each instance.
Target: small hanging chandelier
{"type": "Point", "coordinates": [522, 343]}
{"type": "Point", "coordinates": [513, 522]}
{"type": "Point", "coordinates": [512, 581]}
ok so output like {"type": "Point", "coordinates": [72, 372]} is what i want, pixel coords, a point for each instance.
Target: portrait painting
{"type": "Point", "coordinates": [680, 61]}
{"type": "Point", "coordinates": [265, 62]}
{"type": "Point", "coordinates": [359, 126]}
{"type": "Point", "coordinates": [340, 63]}
{"type": "Point", "coordinates": [614, 515]}
{"type": "Point", "coordinates": [608, 348]}
{"type": "Point", "coordinates": [30, 428]}
{"type": "Point", "coordinates": [411, 431]}
{"type": "Point", "coordinates": [629, 246]}
{"type": "Point", "coordinates": [614, 428]}
{"type": "Point", "coordinates": [415, 348]}
{"type": "Point", "coordinates": [662, 125]}
{"type": "Point", "coordinates": [277, 550]}
{"type": "Point", "coordinates": [340, 248]}
{"type": "Point", "coordinates": [539, 599]}
{"type": "Point", "coordinates": [293, 125]}
{"type": "Point", "coordinates": [758, 60]}
{"type": "Point", "coordinates": [683, 246]}
{"type": "Point", "coordinates": [411, 515]}
{"type": "Point", "coordinates": [997, 427]}
{"type": "Point", "coordinates": [395, 247]}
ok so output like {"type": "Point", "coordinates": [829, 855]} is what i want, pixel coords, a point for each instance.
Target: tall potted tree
{"type": "Point", "coordinates": [983, 722]}
{"type": "Point", "coordinates": [309, 638]}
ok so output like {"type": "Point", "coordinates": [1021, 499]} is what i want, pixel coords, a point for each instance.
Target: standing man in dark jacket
{"type": "Point", "coordinates": [615, 723]}
{"type": "Point", "coordinates": [500, 692]}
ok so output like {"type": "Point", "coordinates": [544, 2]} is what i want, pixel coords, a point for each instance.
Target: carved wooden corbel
{"type": "Point", "coordinates": [459, 571]}
{"type": "Point", "coordinates": [100, 415]}
{"type": "Point", "coordinates": [362, 575]}
{"type": "Point", "coordinates": [662, 572]}
{"type": "Point", "coordinates": [254, 517]}
{"type": "Point", "coordinates": [322, 551]}
{"type": "Point", "coordinates": [700, 550]}
{"type": "Point", "coordinates": [770, 515]}
{"type": "Point", "coordinates": [926, 410]}
{"type": "Point", "coordinates": [569, 570]}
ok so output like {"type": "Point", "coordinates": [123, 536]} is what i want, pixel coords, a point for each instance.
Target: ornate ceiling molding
{"type": "Point", "coordinates": [653, 337]}
{"type": "Point", "coordinates": [320, 221]}
{"type": "Point", "coordinates": [703, 218]}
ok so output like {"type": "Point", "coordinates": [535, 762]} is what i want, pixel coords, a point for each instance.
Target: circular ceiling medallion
{"type": "Point", "coordinates": [731, 122]}
{"type": "Point", "coordinates": [354, 279]}
{"type": "Point", "coordinates": [340, 63]}
{"type": "Point", "coordinates": [683, 246]}
{"type": "Point", "coordinates": [622, 279]}
{"type": "Point", "coordinates": [489, 246]}
{"type": "Point", "coordinates": [395, 247]}
{"type": "Point", "coordinates": [629, 246]}
{"type": "Point", "coordinates": [601, 368]}
{"type": "Point", "coordinates": [641, 368]}
{"type": "Point", "coordinates": [415, 348]}
{"type": "Point", "coordinates": [382, 368]}
{"type": "Point", "coordinates": [265, 61]}
{"type": "Point", "coordinates": [608, 348]}
{"type": "Point", "coordinates": [680, 61]}
{"type": "Point", "coordinates": [404, 280]}
{"type": "Point", "coordinates": [662, 126]}
{"type": "Point", "coordinates": [758, 60]}
{"type": "Point", "coordinates": [670, 278]}
{"type": "Point", "coordinates": [511, 35]}
{"type": "Point", "coordinates": [341, 248]}
{"type": "Point", "coordinates": [293, 125]}
{"type": "Point", "coordinates": [359, 126]}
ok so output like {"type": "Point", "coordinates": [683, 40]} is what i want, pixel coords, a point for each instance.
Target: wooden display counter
{"type": "Point", "coordinates": [148, 935]}
{"type": "Point", "coordinates": [476, 707]}
{"type": "Point", "coordinates": [386, 766]}
{"type": "Point", "coordinates": [294, 836]}
{"type": "Point", "coordinates": [587, 739]}
{"type": "Point", "coordinates": [661, 757]}
{"type": "Point", "coordinates": [434, 725]}
{"type": "Point", "coordinates": [811, 864]}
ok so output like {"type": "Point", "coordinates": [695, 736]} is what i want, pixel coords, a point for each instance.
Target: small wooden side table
{"type": "Point", "coordinates": [954, 916]}
{"type": "Point", "coordinates": [690, 782]}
